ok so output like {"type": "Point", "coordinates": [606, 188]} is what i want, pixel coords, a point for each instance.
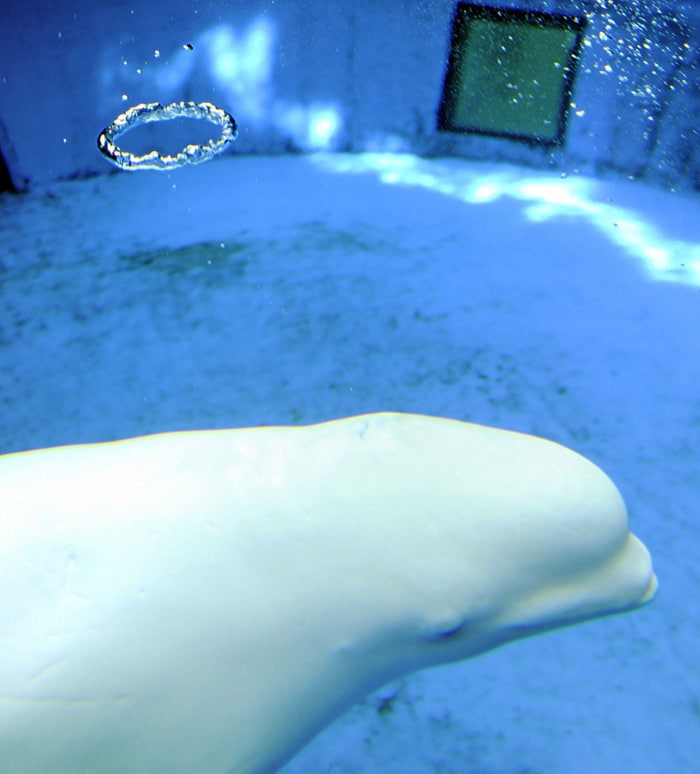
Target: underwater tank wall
{"type": "Point", "coordinates": [346, 75]}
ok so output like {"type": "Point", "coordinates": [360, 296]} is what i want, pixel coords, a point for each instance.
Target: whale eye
{"type": "Point", "coordinates": [443, 633]}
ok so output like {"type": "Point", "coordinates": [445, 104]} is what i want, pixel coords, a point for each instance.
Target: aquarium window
{"type": "Point", "coordinates": [510, 73]}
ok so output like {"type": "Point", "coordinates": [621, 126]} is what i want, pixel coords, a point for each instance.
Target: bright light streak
{"type": "Point", "coordinates": [314, 127]}
{"type": "Point", "coordinates": [545, 198]}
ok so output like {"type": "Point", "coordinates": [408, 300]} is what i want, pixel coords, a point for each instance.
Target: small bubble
{"type": "Point", "coordinates": [156, 53]}
{"type": "Point", "coordinates": [125, 97]}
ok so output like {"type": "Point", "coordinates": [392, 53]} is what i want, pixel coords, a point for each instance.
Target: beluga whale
{"type": "Point", "coordinates": [210, 600]}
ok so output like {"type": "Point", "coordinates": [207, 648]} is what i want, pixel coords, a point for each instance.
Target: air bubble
{"type": "Point", "coordinates": [153, 112]}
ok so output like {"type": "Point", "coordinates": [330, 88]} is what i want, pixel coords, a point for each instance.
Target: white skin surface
{"type": "Point", "coordinates": [208, 601]}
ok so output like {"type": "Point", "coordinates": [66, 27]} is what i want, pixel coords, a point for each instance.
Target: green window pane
{"type": "Point", "coordinates": [510, 73]}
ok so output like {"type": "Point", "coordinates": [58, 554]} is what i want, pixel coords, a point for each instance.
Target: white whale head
{"type": "Point", "coordinates": [471, 536]}
{"type": "Point", "coordinates": [210, 600]}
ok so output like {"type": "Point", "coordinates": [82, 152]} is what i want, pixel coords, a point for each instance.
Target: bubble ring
{"type": "Point", "coordinates": [154, 111]}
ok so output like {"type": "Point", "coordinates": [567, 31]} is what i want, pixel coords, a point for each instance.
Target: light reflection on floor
{"type": "Point", "coordinates": [545, 197]}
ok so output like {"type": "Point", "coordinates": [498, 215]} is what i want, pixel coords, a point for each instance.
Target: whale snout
{"type": "Point", "coordinates": [651, 590]}
{"type": "Point", "coordinates": [621, 581]}
{"type": "Point", "coordinates": [634, 574]}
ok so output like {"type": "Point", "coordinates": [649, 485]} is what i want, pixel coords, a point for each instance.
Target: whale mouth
{"type": "Point", "coordinates": [651, 589]}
